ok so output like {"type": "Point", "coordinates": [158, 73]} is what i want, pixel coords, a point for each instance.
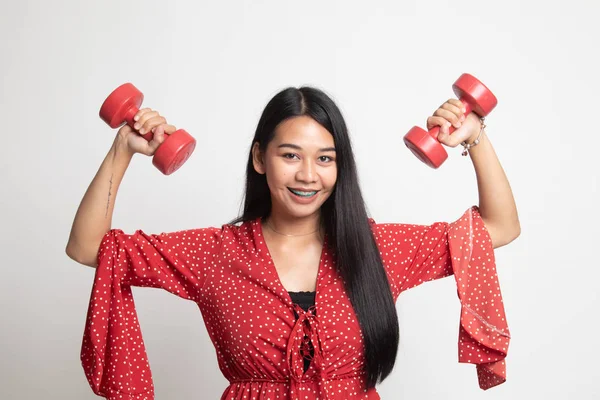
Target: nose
{"type": "Point", "coordinates": [307, 172]}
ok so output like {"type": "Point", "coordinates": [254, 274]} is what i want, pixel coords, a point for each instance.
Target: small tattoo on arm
{"type": "Point", "coordinates": [109, 193]}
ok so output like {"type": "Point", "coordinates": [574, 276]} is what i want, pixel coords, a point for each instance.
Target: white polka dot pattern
{"type": "Point", "coordinates": [249, 315]}
{"type": "Point", "coordinates": [484, 334]}
{"type": "Point", "coordinates": [414, 254]}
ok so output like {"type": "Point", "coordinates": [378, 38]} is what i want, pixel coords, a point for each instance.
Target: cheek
{"type": "Point", "coordinates": [277, 174]}
{"type": "Point", "coordinates": [332, 178]}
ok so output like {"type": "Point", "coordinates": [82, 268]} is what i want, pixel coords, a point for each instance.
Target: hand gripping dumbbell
{"type": "Point", "coordinates": [475, 96]}
{"type": "Point", "coordinates": [122, 105]}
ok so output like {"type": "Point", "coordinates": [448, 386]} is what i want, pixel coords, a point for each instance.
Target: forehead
{"type": "Point", "coordinates": [303, 131]}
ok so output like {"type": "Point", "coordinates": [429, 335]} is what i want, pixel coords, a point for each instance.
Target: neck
{"type": "Point", "coordinates": [293, 226]}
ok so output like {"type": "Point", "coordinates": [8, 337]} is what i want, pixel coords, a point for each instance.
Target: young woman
{"type": "Point", "coordinates": [298, 293]}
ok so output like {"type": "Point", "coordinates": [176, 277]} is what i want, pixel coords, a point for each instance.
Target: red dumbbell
{"type": "Point", "coordinates": [122, 105]}
{"type": "Point", "coordinates": [475, 96]}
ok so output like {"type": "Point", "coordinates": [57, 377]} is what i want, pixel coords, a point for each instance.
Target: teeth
{"type": "Point", "coordinates": [303, 194]}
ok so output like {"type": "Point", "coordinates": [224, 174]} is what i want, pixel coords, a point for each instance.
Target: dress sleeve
{"type": "Point", "coordinates": [176, 262]}
{"type": "Point", "coordinates": [113, 354]}
{"type": "Point", "coordinates": [413, 254]}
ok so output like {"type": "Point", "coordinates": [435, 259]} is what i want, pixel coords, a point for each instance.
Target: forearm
{"type": "Point", "coordinates": [496, 202]}
{"type": "Point", "coordinates": [94, 215]}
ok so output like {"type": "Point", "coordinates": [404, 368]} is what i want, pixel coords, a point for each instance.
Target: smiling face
{"type": "Point", "coordinates": [300, 167]}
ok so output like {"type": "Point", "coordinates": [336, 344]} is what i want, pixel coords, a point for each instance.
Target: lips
{"type": "Point", "coordinates": [303, 192]}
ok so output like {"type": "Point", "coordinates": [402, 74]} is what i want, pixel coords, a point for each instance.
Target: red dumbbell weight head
{"type": "Point", "coordinates": [122, 105]}
{"type": "Point", "coordinates": [475, 96]}
{"type": "Point", "coordinates": [174, 152]}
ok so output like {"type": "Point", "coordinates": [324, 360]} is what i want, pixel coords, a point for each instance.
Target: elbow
{"type": "Point", "coordinates": [514, 231]}
{"type": "Point", "coordinates": [517, 232]}
{"type": "Point", "coordinates": [70, 252]}
{"type": "Point", "coordinates": [503, 234]}
{"type": "Point", "coordinates": [507, 236]}
{"type": "Point", "coordinates": [81, 257]}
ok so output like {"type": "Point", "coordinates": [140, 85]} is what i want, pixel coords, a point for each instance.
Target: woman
{"type": "Point", "coordinates": [298, 294]}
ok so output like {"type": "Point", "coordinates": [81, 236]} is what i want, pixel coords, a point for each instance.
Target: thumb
{"type": "Point", "coordinates": [169, 129]}
{"type": "Point", "coordinates": [444, 132]}
{"type": "Point", "coordinates": [158, 136]}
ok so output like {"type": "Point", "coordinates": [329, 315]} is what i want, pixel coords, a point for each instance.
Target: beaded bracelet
{"type": "Point", "coordinates": [467, 146]}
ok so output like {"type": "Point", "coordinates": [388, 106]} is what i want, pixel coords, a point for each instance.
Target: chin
{"type": "Point", "coordinates": [297, 210]}
{"type": "Point", "coordinates": [302, 212]}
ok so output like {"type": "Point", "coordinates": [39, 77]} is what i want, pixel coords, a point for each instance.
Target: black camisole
{"type": "Point", "coordinates": [304, 300]}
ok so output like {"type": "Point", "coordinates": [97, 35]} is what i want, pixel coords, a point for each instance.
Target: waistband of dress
{"type": "Point", "coordinates": [315, 378]}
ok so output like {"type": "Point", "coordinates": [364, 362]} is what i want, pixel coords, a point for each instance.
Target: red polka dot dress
{"type": "Point", "coordinates": [262, 339]}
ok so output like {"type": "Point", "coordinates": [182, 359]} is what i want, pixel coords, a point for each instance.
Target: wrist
{"type": "Point", "coordinates": [476, 133]}
{"type": "Point", "coordinates": [475, 139]}
{"type": "Point", "coordinates": [120, 148]}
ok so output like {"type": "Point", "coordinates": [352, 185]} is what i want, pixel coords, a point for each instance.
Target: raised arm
{"type": "Point", "coordinates": [496, 202]}
{"type": "Point", "coordinates": [94, 215]}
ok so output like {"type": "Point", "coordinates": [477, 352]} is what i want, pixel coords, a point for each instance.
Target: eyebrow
{"type": "Point", "coordinates": [296, 147]}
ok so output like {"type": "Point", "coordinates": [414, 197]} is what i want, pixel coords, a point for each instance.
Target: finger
{"type": "Point", "coordinates": [438, 121]}
{"type": "Point", "coordinates": [457, 103]}
{"type": "Point", "coordinates": [151, 123]}
{"type": "Point", "coordinates": [455, 110]}
{"type": "Point", "coordinates": [140, 112]}
{"type": "Point", "coordinates": [460, 106]}
{"type": "Point", "coordinates": [168, 129]}
{"type": "Point", "coordinates": [163, 130]}
{"type": "Point", "coordinates": [449, 116]}
{"type": "Point", "coordinates": [158, 137]}
{"type": "Point", "coordinates": [434, 121]}
{"type": "Point", "coordinates": [159, 133]}
{"type": "Point", "coordinates": [144, 117]}
{"type": "Point", "coordinates": [445, 137]}
{"type": "Point", "coordinates": [449, 140]}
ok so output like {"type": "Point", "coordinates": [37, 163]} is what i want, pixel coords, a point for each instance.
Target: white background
{"type": "Point", "coordinates": [211, 67]}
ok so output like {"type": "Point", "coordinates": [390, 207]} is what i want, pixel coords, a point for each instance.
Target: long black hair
{"type": "Point", "coordinates": [345, 219]}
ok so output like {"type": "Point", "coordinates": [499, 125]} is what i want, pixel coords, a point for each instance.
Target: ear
{"type": "Point", "coordinates": [257, 159]}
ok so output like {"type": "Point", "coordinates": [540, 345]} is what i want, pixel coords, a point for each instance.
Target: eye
{"type": "Point", "coordinates": [326, 159]}
{"type": "Point", "coordinates": [290, 156]}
